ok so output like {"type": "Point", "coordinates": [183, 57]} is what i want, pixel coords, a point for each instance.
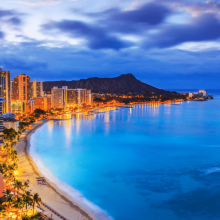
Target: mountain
{"type": "Point", "coordinates": [122, 83]}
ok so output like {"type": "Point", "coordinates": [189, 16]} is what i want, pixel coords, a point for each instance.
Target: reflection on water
{"type": "Point", "coordinates": [152, 161]}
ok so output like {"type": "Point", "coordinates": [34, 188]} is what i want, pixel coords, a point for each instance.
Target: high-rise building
{"type": "Point", "coordinates": [5, 90]}
{"type": "Point", "coordinates": [21, 88]}
{"type": "Point", "coordinates": [43, 103]}
{"type": "Point", "coordinates": [58, 97]}
{"type": "Point", "coordinates": [18, 107]}
{"type": "Point", "coordinates": [1, 120]}
{"type": "Point", "coordinates": [78, 97]}
{"type": "Point", "coordinates": [2, 100]}
{"type": "Point", "coordinates": [64, 97]}
{"type": "Point", "coordinates": [72, 97]}
{"type": "Point", "coordinates": [37, 88]}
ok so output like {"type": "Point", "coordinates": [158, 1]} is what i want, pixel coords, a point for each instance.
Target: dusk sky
{"type": "Point", "coordinates": [165, 43]}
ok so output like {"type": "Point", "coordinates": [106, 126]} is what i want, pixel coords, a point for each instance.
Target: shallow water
{"type": "Point", "coordinates": [149, 162]}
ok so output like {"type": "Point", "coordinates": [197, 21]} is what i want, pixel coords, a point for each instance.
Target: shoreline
{"type": "Point", "coordinates": [50, 194]}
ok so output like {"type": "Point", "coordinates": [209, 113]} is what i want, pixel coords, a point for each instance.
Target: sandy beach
{"type": "Point", "coordinates": [50, 194]}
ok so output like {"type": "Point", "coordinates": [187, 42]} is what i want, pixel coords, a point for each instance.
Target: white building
{"type": "Point", "coordinates": [191, 95]}
{"type": "Point", "coordinates": [204, 92]}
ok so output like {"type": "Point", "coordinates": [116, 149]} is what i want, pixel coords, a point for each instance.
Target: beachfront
{"type": "Point", "coordinates": [50, 194]}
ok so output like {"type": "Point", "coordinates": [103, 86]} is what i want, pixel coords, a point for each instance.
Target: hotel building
{"type": "Point", "coordinates": [58, 97]}
{"type": "Point", "coordinates": [37, 88]}
{"type": "Point", "coordinates": [2, 101]}
{"type": "Point", "coordinates": [21, 88]}
{"type": "Point", "coordinates": [43, 103]}
{"type": "Point", "coordinates": [23, 92]}
{"type": "Point", "coordinates": [5, 90]}
{"type": "Point", "coordinates": [203, 92]}
{"type": "Point", "coordinates": [78, 97]}
{"type": "Point", "coordinates": [1, 120]}
{"type": "Point", "coordinates": [64, 97]}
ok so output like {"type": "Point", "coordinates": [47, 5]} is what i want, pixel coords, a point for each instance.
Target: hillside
{"type": "Point", "coordinates": [122, 83]}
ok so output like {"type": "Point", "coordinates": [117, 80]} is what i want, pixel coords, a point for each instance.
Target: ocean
{"type": "Point", "coordinates": [150, 162]}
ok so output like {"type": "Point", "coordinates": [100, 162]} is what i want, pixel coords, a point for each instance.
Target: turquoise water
{"type": "Point", "coordinates": [154, 162]}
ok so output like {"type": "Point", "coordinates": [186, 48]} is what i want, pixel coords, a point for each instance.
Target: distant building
{"type": "Point", "coordinates": [78, 97]}
{"type": "Point", "coordinates": [204, 92]}
{"type": "Point", "coordinates": [9, 121]}
{"type": "Point", "coordinates": [72, 98]}
{"type": "Point", "coordinates": [1, 119]}
{"type": "Point", "coordinates": [5, 90]}
{"type": "Point", "coordinates": [191, 95]}
{"type": "Point", "coordinates": [18, 107]}
{"type": "Point", "coordinates": [43, 103]}
{"type": "Point", "coordinates": [30, 106]}
{"type": "Point", "coordinates": [2, 100]}
{"type": "Point", "coordinates": [58, 97]}
{"type": "Point", "coordinates": [21, 88]}
{"type": "Point", "coordinates": [64, 97]}
{"type": "Point", "coordinates": [36, 88]}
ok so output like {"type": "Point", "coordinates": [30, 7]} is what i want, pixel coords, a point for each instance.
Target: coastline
{"type": "Point", "coordinates": [50, 194]}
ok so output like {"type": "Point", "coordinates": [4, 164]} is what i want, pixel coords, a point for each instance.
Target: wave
{"type": "Point", "coordinates": [211, 170]}
{"type": "Point", "coordinates": [70, 191]}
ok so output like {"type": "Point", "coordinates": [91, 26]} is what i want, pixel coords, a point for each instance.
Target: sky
{"type": "Point", "coordinates": [165, 43]}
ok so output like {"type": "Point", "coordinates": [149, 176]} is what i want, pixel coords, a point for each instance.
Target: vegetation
{"type": "Point", "coordinates": [17, 202]}
{"type": "Point", "coordinates": [39, 111]}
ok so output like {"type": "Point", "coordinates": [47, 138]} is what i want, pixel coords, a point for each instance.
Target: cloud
{"type": "Point", "coordinates": [9, 18]}
{"type": "Point", "coordinates": [205, 27]}
{"type": "Point", "coordinates": [103, 32]}
{"type": "Point", "coordinates": [150, 14]}
{"type": "Point", "coordinates": [5, 13]}
{"type": "Point", "coordinates": [14, 21]}
{"type": "Point", "coordinates": [137, 20]}
{"type": "Point", "coordinates": [1, 35]}
{"type": "Point", "coordinates": [96, 37]}
{"type": "Point", "coordinates": [37, 3]}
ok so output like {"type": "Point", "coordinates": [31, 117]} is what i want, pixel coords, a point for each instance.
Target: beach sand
{"type": "Point", "coordinates": [50, 194]}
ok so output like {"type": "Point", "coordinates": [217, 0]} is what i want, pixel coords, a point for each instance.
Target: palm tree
{"type": "Point", "coordinates": [2, 207]}
{"type": "Point", "coordinates": [37, 216]}
{"type": "Point", "coordinates": [19, 203]}
{"type": "Point", "coordinates": [27, 198]}
{"type": "Point", "coordinates": [36, 200]}
{"type": "Point", "coordinates": [8, 198]}
{"type": "Point", "coordinates": [17, 185]}
{"type": "Point", "coordinates": [26, 185]}
{"type": "Point", "coordinates": [25, 217]}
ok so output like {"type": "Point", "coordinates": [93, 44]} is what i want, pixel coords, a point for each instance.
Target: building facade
{"type": "Point", "coordinates": [36, 88]}
{"type": "Point", "coordinates": [64, 97]}
{"type": "Point", "coordinates": [5, 90]}
{"type": "Point", "coordinates": [203, 92]}
{"type": "Point", "coordinates": [1, 120]}
{"type": "Point", "coordinates": [58, 97]}
{"type": "Point", "coordinates": [43, 103]}
{"type": "Point", "coordinates": [21, 88]}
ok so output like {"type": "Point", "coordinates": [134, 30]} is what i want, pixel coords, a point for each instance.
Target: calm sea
{"type": "Point", "coordinates": [151, 162]}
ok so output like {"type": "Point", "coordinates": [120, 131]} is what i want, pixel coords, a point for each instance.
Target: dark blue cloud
{"type": "Point", "coordinates": [16, 63]}
{"type": "Point", "coordinates": [205, 27]}
{"type": "Point", "coordinates": [1, 35]}
{"type": "Point", "coordinates": [148, 14]}
{"type": "Point", "coordinates": [6, 13]}
{"type": "Point", "coordinates": [14, 21]}
{"type": "Point", "coordinates": [102, 32]}
{"type": "Point", "coordinates": [9, 17]}
{"type": "Point", "coordinates": [97, 37]}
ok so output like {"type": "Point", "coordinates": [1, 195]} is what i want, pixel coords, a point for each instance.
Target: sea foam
{"type": "Point", "coordinates": [211, 170]}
